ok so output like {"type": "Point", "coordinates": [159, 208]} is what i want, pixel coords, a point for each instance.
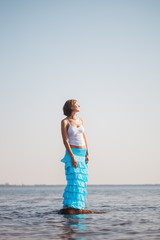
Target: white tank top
{"type": "Point", "coordinates": [75, 135]}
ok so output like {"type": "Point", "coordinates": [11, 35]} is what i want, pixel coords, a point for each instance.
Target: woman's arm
{"type": "Point", "coordinates": [65, 141]}
{"type": "Point", "coordinates": [85, 139]}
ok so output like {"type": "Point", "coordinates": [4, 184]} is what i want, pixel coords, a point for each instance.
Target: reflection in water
{"type": "Point", "coordinates": [75, 224]}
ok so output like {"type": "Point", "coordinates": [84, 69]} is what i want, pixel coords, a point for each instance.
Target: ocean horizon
{"type": "Point", "coordinates": [144, 184]}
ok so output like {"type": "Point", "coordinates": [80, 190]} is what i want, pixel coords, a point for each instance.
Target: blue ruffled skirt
{"type": "Point", "coordinates": [75, 192]}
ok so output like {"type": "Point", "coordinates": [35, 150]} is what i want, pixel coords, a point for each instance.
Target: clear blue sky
{"type": "Point", "coordinates": [105, 54]}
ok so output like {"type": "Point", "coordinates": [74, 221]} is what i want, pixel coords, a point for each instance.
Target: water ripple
{"type": "Point", "coordinates": [133, 212]}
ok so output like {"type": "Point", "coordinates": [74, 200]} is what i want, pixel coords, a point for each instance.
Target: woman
{"type": "Point", "coordinates": [76, 156]}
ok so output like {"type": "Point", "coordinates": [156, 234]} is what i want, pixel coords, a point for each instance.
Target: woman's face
{"type": "Point", "coordinates": [76, 107]}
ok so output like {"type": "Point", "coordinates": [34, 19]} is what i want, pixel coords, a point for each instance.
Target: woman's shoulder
{"type": "Point", "coordinates": [81, 119]}
{"type": "Point", "coordinates": [64, 121]}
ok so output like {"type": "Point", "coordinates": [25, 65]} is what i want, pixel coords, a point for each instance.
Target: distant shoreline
{"type": "Point", "coordinates": [52, 185]}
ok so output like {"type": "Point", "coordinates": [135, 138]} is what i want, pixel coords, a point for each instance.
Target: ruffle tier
{"type": "Point", "coordinates": [75, 192]}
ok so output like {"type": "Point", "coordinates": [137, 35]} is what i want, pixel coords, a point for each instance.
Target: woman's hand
{"type": "Point", "coordinates": [87, 159]}
{"type": "Point", "coordinates": [74, 162]}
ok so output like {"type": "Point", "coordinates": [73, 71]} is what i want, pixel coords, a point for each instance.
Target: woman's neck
{"type": "Point", "coordinates": [73, 116]}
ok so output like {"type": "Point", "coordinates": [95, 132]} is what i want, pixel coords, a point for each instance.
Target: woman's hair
{"type": "Point", "coordinates": [67, 107]}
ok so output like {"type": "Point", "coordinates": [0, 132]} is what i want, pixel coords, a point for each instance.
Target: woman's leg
{"type": "Point", "coordinates": [75, 191]}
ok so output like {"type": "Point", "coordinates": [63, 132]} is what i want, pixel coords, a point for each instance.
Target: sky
{"type": "Point", "coordinates": [105, 54]}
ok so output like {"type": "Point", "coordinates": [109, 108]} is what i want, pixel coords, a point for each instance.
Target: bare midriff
{"type": "Point", "coordinates": [73, 146]}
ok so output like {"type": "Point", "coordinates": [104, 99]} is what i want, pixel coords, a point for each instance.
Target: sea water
{"type": "Point", "coordinates": [30, 212]}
